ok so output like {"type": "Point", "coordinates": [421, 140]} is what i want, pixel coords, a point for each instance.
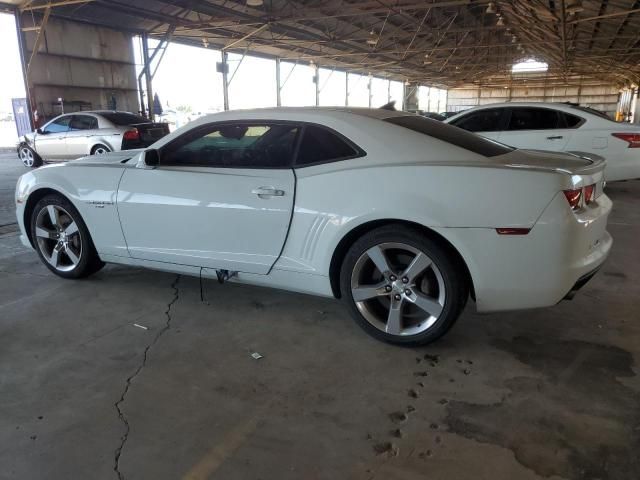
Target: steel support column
{"type": "Point", "coordinates": [225, 79]}
{"type": "Point", "coordinates": [278, 97]}
{"type": "Point", "coordinates": [369, 89]}
{"type": "Point", "coordinates": [22, 50]}
{"type": "Point", "coordinates": [346, 89]}
{"type": "Point", "coordinates": [147, 74]}
{"type": "Point", "coordinates": [316, 80]}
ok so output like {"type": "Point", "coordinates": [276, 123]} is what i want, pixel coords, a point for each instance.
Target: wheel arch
{"type": "Point", "coordinates": [103, 143]}
{"type": "Point", "coordinates": [347, 240]}
{"type": "Point", "coordinates": [32, 200]}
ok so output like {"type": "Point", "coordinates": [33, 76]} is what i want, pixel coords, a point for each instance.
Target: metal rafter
{"type": "Point", "coordinates": [602, 36]}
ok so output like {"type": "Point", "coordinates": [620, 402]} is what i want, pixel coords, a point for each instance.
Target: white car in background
{"type": "Point", "coordinates": [558, 127]}
{"type": "Point", "coordinates": [78, 134]}
{"type": "Point", "coordinates": [400, 216]}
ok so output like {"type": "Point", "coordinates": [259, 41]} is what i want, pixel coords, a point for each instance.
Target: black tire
{"type": "Point", "coordinates": [451, 277]}
{"type": "Point", "coordinates": [80, 242]}
{"type": "Point", "coordinates": [29, 157]}
{"type": "Point", "coordinates": [99, 147]}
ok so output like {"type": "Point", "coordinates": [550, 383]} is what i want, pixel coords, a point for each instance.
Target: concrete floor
{"type": "Point", "coordinates": [84, 393]}
{"type": "Point", "coordinates": [10, 169]}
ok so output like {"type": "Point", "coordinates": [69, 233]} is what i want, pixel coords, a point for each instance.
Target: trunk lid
{"type": "Point", "coordinates": [148, 133]}
{"type": "Point", "coordinates": [151, 132]}
{"type": "Point", "coordinates": [579, 168]}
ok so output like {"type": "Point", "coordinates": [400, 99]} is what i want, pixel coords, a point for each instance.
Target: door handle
{"type": "Point", "coordinates": [267, 192]}
{"type": "Point", "coordinates": [555, 137]}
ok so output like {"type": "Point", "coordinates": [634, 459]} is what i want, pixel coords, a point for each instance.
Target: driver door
{"type": "Point", "coordinates": [221, 198]}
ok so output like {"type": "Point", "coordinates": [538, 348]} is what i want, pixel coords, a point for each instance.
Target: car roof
{"type": "Point", "coordinates": [325, 112]}
{"type": "Point", "coordinates": [572, 108]}
{"type": "Point", "coordinates": [558, 105]}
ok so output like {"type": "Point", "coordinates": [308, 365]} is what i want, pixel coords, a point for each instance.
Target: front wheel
{"type": "Point", "coordinates": [403, 287]}
{"type": "Point", "coordinates": [28, 157]}
{"type": "Point", "coordinates": [62, 239]}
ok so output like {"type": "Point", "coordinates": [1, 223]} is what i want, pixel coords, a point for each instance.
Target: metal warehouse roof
{"type": "Point", "coordinates": [442, 42]}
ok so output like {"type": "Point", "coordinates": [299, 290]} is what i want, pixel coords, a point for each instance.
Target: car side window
{"type": "Point", "coordinates": [83, 122]}
{"type": "Point", "coordinates": [570, 121]}
{"type": "Point", "coordinates": [233, 145]}
{"type": "Point", "coordinates": [59, 125]}
{"type": "Point", "coordinates": [322, 145]}
{"type": "Point", "coordinates": [533, 119]}
{"type": "Point", "coordinates": [488, 120]}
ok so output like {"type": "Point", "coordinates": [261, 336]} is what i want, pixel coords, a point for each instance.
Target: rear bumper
{"type": "Point", "coordinates": [582, 281]}
{"type": "Point", "coordinates": [560, 253]}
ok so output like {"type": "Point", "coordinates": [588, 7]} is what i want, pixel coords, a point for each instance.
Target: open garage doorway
{"type": "Point", "coordinates": [11, 81]}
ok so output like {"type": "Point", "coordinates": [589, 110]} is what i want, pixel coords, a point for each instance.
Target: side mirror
{"type": "Point", "coordinates": [39, 130]}
{"type": "Point", "coordinates": [151, 158]}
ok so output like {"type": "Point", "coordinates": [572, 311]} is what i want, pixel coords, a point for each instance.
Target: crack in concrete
{"type": "Point", "coordinates": [118, 404]}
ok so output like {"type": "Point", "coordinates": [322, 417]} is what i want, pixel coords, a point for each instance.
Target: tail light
{"type": "Point", "coordinates": [573, 197]}
{"type": "Point", "coordinates": [589, 191]}
{"type": "Point", "coordinates": [633, 139]}
{"type": "Point", "coordinates": [579, 197]}
{"type": "Point", "coordinates": [132, 134]}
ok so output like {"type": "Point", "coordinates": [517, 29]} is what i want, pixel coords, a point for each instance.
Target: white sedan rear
{"type": "Point", "coordinates": [400, 216]}
{"type": "Point", "coordinates": [558, 127]}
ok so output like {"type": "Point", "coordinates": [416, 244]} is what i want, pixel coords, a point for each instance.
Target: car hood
{"type": "Point", "coordinates": [110, 158]}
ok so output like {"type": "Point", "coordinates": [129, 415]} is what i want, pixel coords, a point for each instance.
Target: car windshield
{"type": "Point", "coordinates": [450, 134]}
{"type": "Point", "coordinates": [124, 118]}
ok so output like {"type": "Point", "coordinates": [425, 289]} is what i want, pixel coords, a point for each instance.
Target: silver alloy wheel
{"type": "Point", "coordinates": [26, 155]}
{"type": "Point", "coordinates": [58, 238]}
{"type": "Point", "coordinates": [101, 150]}
{"type": "Point", "coordinates": [398, 289]}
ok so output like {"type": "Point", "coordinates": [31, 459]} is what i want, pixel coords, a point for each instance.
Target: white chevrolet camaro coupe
{"type": "Point", "coordinates": [401, 216]}
{"type": "Point", "coordinates": [559, 127]}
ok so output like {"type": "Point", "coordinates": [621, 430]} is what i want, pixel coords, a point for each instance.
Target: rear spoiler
{"type": "Point", "coordinates": [597, 162]}
{"type": "Point", "coordinates": [587, 156]}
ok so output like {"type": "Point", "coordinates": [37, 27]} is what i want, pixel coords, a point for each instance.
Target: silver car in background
{"type": "Point", "coordinates": [75, 135]}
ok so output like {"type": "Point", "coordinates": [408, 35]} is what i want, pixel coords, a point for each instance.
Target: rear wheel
{"type": "Point", "coordinates": [28, 157]}
{"type": "Point", "coordinates": [100, 150]}
{"type": "Point", "coordinates": [62, 240]}
{"type": "Point", "coordinates": [403, 287]}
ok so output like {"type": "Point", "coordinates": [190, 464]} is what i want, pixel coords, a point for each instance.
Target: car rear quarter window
{"type": "Point", "coordinates": [533, 119]}
{"type": "Point", "coordinates": [124, 118]}
{"type": "Point", "coordinates": [320, 145]}
{"type": "Point", "coordinates": [570, 121]}
{"type": "Point", "coordinates": [486, 120]}
{"type": "Point", "coordinates": [451, 134]}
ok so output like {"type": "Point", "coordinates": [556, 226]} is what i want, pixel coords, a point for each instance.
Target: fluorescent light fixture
{"type": "Point", "coordinates": [373, 39]}
{"type": "Point", "coordinates": [529, 66]}
{"type": "Point", "coordinates": [254, 3]}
